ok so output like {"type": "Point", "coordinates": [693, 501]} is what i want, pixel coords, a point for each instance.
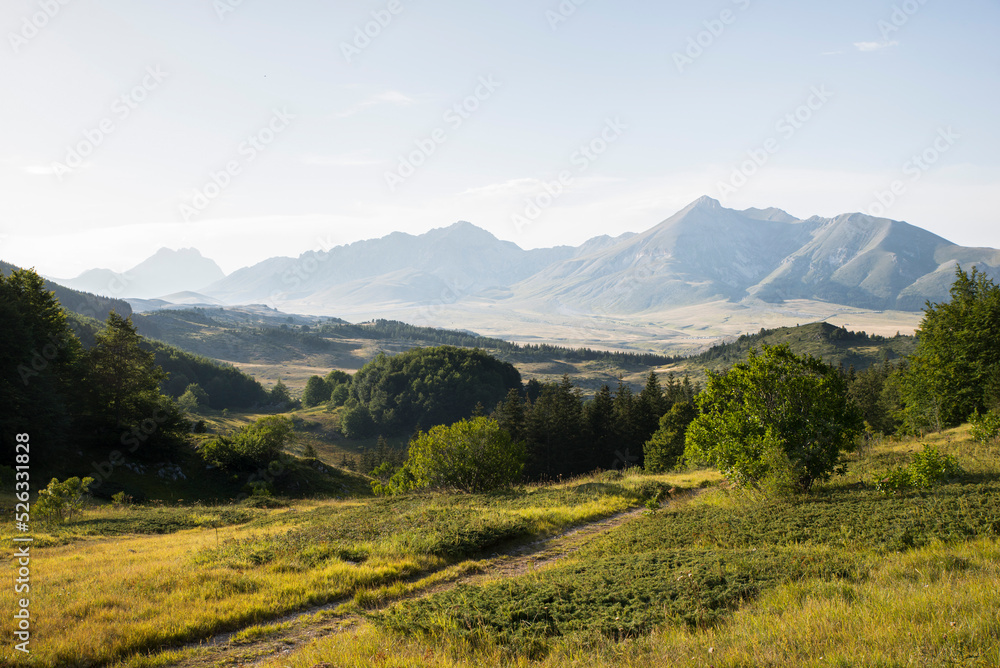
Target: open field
{"type": "Point", "coordinates": [127, 581]}
{"type": "Point", "coordinates": [682, 330]}
{"type": "Point", "coordinates": [842, 576]}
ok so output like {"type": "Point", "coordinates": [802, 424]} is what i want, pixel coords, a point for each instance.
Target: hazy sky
{"type": "Point", "coordinates": [253, 128]}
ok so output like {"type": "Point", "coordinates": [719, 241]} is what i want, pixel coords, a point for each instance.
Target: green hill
{"type": "Point", "coordinates": [835, 345]}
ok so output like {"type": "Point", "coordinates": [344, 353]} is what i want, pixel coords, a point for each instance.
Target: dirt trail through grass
{"type": "Point", "coordinates": [282, 636]}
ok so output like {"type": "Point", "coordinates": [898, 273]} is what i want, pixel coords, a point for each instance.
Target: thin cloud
{"type": "Point", "coordinates": [874, 46]}
{"type": "Point", "coordinates": [40, 170]}
{"type": "Point", "coordinates": [343, 160]}
{"type": "Point", "coordinates": [388, 97]}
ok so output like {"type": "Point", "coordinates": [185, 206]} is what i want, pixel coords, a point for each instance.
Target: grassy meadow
{"type": "Point", "coordinates": [128, 581]}
{"type": "Point", "coordinates": [843, 576]}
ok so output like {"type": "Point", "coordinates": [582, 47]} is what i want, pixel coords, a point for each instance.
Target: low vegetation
{"type": "Point", "coordinates": [128, 580]}
{"type": "Point", "coordinates": [843, 575]}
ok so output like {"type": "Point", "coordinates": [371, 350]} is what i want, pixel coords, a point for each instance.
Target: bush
{"type": "Point", "coordinates": [986, 428]}
{"type": "Point", "coordinates": [60, 502]}
{"type": "Point", "coordinates": [470, 456]}
{"type": "Point", "coordinates": [252, 446]}
{"type": "Point", "coordinates": [928, 468]}
{"type": "Point", "coordinates": [357, 422]}
{"type": "Point", "coordinates": [778, 416]}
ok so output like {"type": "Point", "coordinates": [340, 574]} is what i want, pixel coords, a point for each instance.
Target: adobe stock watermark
{"type": "Point", "coordinates": [248, 150]}
{"type": "Point", "coordinates": [566, 9]}
{"type": "Point", "coordinates": [121, 109]}
{"type": "Point", "coordinates": [40, 360]}
{"type": "Point", "coordinates": [786, 127]}
{"type": "Point", "coordinates": [913, 169]}
{"type": "Point", "coordinates": [705, 39]}
{"type": "Point", "coordinates": [303, 269]}
{"type": "Point", "coordinates": [224, 8]}
{"type": "Point", "coordinates": [455, 118]}
{"type": "Point", "coordinates": [901, 15]}
{"type": "Point", "coordinates": [32, 25]}
{"type": "Point", "coordinates": [585, 156]}
{"type": "Point", "coordinates": [133, 438]}
{"type": "Point", "coordinates": [365, 35]}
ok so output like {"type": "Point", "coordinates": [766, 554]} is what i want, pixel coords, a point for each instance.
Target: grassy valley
{"type": "Point", "coordinates": [845, 575]}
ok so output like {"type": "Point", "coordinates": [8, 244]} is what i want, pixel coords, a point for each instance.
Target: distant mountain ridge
{"type": "Point", "coordinates": [703, 253]}
{"type": "Point", "coordinates": [164, 273]}
{"type": "Point", "coordinates": [442, 265]}
{"type": "Point", "coordinates": [706, 252]}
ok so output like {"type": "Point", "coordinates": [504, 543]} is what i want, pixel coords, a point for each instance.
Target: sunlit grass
{"type": "Point", "coordinates": [99, 599]}
{"type": "Point", "coordinates": [937, 604]}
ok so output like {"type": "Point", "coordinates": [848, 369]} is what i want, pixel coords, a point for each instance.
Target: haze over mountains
{"type": "Point", "coordinates": [165, 273]}
{"type": "Point", "coordinates": [703, 253]}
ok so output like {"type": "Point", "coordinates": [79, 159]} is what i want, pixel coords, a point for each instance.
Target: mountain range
{"type": "Point", "coordinates": [703, 253]}
{"type": "Point", "coordinates": [165, 273]}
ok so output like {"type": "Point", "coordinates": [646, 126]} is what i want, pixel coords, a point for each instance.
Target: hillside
{"type": "Point", "coordinates": [82, 303]}
{"type": "Point", "coordinates": [164, 273]}
{"type": "Point", "coordinates": [835, 345]}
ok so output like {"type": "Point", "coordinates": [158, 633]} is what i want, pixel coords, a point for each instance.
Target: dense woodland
{"type": "Point", "coordinates": [74, 380]}
{"type": "Point", "coordinates": [85, 388]}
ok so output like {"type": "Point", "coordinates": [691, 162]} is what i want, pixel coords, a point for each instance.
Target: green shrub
{"type": "Point", "coordinates": [928, 468]}
{"type": "Point", "coordinates": [892, 480]}
{"type": "Point", "coordinates": [252, 446]}
{"type": "Point", "coordinates": [61, 502]}
{"type": "Point", "coordinates": [986, 428]}
{"type": "Point", "coordinates": [777, 409]}
{"type": "Point", "coordinates": [470, 456]}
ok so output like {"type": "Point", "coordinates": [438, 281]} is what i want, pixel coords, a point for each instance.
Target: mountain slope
{"type": "Point", "coordinates": [165, 272]}
{"type": "Point", "coordinates": [706, 252]}
{"type": "Point", "coordinates": [82, 303]}
{"type": "Point", "coordinates": [701, 253]}
{"type": "Point", "coordinates": [444, 264]}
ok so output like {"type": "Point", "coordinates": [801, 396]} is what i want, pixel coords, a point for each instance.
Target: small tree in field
{"type": "Point", "coordinates": [776, 418]}
{"type": "Point", "coordinates": [256, 444]}
{"type": "Point", "coordinates": [60, 502]}
{"type": "Point", "coordinates": [469, 456]}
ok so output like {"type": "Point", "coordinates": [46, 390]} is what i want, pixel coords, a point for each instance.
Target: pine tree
{"type": "Point", "coordinates": [509, 414]}
{"type": "Point", "coordinates": [123, 379]}
{"type": "Point", "coordinates": [279, 395]}
{"type": "Point", "coordinates": [652, 406]}
{"type": "Point", "coordinates": [599, 418]}
{"type": "Point", "coordinates": [39, 360]}
{"type": "Point", "coordinates": [956, 368]}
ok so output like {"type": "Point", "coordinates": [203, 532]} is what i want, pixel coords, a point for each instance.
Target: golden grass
{"type": "Point", "coordinates": [104, 599]}
{"type": "Point", "coordinates": [937, 605]}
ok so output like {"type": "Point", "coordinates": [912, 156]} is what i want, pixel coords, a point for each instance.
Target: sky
{"type": "Point", "coordinates": [254, 128]}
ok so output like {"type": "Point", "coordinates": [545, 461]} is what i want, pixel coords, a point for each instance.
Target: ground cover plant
{"type": "Point", "coordinates": [692, 570]}
{"type": "Point", "coordinates": [129, 580]}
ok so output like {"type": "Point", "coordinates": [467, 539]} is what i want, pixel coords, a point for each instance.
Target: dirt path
{"type": "Point", "coordinates": [289, 633]}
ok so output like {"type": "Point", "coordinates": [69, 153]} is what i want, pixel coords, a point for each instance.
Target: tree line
{"type": "Point", "coordinates": [777, 420]}
{"type": "Point", "coordinates": [78, 387]}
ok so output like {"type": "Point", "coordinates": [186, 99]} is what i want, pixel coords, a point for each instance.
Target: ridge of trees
{"type": "Point", "coordinates": [225, 385]}
{"type": "Point", "coordinates": [836, 344]}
